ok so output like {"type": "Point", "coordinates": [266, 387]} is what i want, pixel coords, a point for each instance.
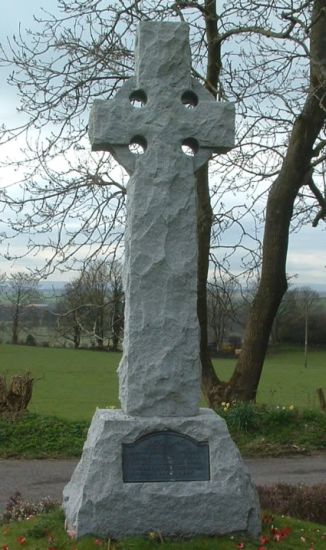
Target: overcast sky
{"type": "Point", "coordinates": [307, 253]}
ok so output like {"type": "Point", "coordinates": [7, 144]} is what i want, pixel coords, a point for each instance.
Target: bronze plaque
{"type": "Point", "coordinates": [165, 456]}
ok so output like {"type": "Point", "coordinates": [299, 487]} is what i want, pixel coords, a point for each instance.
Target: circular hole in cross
{"type": "Point", "coordinates": [189, 99]}
{"type": "Point", "coordinates": [138, 99]}
{"type": "Point", "coordinates": [138, 145]}
{"type": "Point", "coordinates": [190, 147]}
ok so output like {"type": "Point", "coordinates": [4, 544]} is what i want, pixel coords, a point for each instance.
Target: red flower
{"type": "Point", "coordinates": [278, 535]}
{"type": "Point", "coordinates": [263, 540]}
{"type": "Point", "coordinates": [98, 542]}
{"type": "Point", "coordinates": [286, 531]}
{"type": "Point", "coordinates": [21, 540]}
{"type": "Point", "coordinates": [240, 545]}
{"type": "Point", "coordinates": [5, 547]}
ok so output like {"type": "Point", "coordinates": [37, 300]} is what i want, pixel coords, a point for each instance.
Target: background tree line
{"type": "Point", "coordinates": [88, 312]}
{"type": "Point", "coordinates": [301, 317]}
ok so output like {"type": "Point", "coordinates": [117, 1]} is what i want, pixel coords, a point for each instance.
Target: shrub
{"type": "Point", "coordinates": [30, 340]}
{"type": "Point", "coordinates": [36, 436]}
{"type": "Point", "coordinates": [16, 395]}
{"type": "Point", "coordinates": [310, 415]}
{"type": "Point", "coordinates": [241, 416]}
{"type": "Point", "coordinates": [280, 416]}
{"type": "Point", "coordinates": [244, 417]}
{"type": "Point", "coordinates": [299, 501]}
{"type": "Point", "coordinates": [19, 509]}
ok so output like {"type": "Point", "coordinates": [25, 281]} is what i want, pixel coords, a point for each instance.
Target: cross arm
{"type": "Point", "coordinates": [211, 123]}
{"type": "Point", "coordinates": [112, 122]}
{"type": "Point", "coordinates": [214, 126]}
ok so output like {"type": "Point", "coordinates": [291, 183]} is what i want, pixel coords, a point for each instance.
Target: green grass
{"type": "Point", "coordinates": [47, 531]}
{"type": "Point", "coordinates": [36, 436]}
{"type": "Point", "coordinates": [68, 383]}
{"type": "Point", "coordinates": [72, 383]}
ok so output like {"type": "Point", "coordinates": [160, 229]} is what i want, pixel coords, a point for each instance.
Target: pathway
{"type": "Point", "coordinates": [36, 479]}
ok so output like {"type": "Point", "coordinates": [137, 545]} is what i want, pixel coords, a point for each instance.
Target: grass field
{"type": "Point", "coordinates": [68, 383]}
{"type": "Point", "coordinates": [72, 383]}
{"type": "Point", "coordinates": [285, 381]}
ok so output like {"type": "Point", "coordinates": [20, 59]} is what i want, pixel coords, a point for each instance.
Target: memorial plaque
{"type": "Point", "coordinates": [165, 456]}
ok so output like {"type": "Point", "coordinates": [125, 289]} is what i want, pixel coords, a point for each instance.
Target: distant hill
{"type": "Point", "coordinates": [318, 287]}
{"type": "Point", "coordinates": [49, 285]}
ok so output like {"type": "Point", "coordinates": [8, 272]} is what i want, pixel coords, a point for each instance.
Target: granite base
{"type": "Point", "coordinates": [98, 501]}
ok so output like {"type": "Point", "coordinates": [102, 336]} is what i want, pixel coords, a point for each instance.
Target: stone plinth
{"type": "Point", "coordinates": [97, 500]}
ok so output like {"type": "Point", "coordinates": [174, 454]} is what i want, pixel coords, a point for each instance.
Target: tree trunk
{"type": "Point", "coordinates": [272, 286]}
{"type": "Point", "coordinates": [15, 324]}
{"type": "Point", "coordinates": [116, 320]}
{"type": "Point", "coordinates": [210, 382]}
{"type": "Point", "coordinates": [99, 327]}
{"type": "Point", "coordinates": [77, 332]}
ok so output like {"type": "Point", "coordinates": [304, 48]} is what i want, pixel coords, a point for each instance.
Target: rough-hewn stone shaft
{"type": "Point", "coordinates": [160, 368]}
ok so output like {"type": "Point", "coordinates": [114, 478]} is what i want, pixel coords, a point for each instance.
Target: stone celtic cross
{"type": "Point", "coordinates": [161, 462]}
{"type": "Point", "coordinates": [161, 109]}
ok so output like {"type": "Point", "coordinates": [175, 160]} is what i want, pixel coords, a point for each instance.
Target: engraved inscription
{"type": "Point", "coordinates": [165, 456]}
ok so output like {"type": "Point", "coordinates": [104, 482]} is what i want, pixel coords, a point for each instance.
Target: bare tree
{"type": "Point", "coordinates": [92, 305]}
{"type": "Point", "coordinates": [221, 307]}
{"type": "Point", "coordinates": [301, 318]}
{"type": "Point", "coordinates": [21, 290]}
{"type": "Point", "coordinates": [296, 173]}
{"type": "Point", "coordinates": [268, 57]}
{"type": "Point", "coordinates": [68, 313]}
{"type": "Point", "coordinates": [297, 163]}
{"type": "Point", "coordinates": [116, 306]}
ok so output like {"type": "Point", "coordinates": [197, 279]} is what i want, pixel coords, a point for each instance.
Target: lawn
{"type": "Point", "coordinates": [46, 532]}
{"type": "Point", "coordinates": [68, 383]}
{"type": "Point", "coordinates": [72, 383]}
